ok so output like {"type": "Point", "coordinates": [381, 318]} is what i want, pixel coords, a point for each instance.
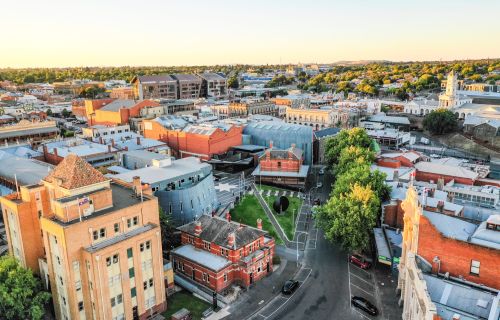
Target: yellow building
{"type": "Point", "coordinates": [317, 118]}
{"type": "Point", "coordinates": [102, 243]}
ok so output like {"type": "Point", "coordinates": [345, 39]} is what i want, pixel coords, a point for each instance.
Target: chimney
{"type": "Point", "coordinates": [440, 184]}
{"type": "Point", "coordinates": [395, 176]}
{"type": "Point", "coordinates": [197, 228]}
{"type": "Point", "coordinates": [113, 142]}
{"type": "Point", "coordinates": [440, 205]}
{"type": "Point", "coordinates": [100, 140]}
{"type": "Point", "coordinates": [138, 141]}
{"type": "Point", "coordinates": [436, 265]}
{"type": "Point", "coordinates": [55, 152]}
{"type": "Point", "coordinates": [231, 238]}
{"type": "Point", "coordinates": [109, 148]}
{"type": "Point", "coordinates": [259, 224]}
{"type": "Point", "coordinates": [228, 216]}
{"type": "Point", "coordinates": [136, 183]}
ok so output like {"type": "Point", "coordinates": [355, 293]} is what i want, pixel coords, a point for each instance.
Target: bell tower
{"type": "Point", "coordinates": [449, 99]}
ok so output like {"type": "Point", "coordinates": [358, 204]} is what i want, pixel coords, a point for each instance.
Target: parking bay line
{"type": "Point", "coordinates": [371, 294]}
{"type": "Point", "coordinates": [370, 283]}
{"type": "Point", "coordinates": [359, 312]}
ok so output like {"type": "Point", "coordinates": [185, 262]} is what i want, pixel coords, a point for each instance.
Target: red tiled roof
{"type": "Point", "coordinates": [75, 173]}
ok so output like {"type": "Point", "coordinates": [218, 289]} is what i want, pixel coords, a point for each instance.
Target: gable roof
{"type": "Point", "coordinates": [217, 230]}
{"type": "Point", "coordinates": [75, 173]}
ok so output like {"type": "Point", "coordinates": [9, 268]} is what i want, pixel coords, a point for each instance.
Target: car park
{"type": "Point", "coordinates": [365, 305]}
{"type": "Point", "coordinates": [290, 286]}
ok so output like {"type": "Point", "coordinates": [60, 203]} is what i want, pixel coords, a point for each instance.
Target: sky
{"type": "Point", "coordinates": [67, 33]}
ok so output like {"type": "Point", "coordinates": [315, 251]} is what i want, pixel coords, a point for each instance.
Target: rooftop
{"type": "Point", "coordinates": [119, 238]}
{"type": "Point", "coordinates": [202, 257]}
{"type": "Point", "coordinates": [326, 132]}
{"type": "Point", "coordinates": [76, 146]}
{"type": "Point", "coordinates": [448, 170]}
{"type": "Point", "coordinates": [210, 76]}
{"type": "Point", "coordinates": [26, 171]}
{"type": "Point", "coordinates": [163, 78]}
{"type": "Point", "coordinates": [217, 230]}
{"type": "Point", "coordinates": [118, 104]}
{"type": "Point", "coordinates": [186, 77]}
{"type": "Point", "coordinates": [154, 174]}
{"type": "Point", "coordinates": [75, 173]}
{"type": "Point", "coordinates": [389, 119]}
{"type": "Point", "coordinates": [304, 169]}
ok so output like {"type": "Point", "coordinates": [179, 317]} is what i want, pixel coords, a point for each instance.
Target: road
{"type": "Point", "coordinates": [328, 281]}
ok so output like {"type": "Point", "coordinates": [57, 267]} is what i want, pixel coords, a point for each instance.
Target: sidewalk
{"type": "Point", "coordinates": [386, 288]}
{"type": "Point", "coordinates": [262, 292]}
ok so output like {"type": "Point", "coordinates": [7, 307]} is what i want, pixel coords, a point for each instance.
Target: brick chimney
{"type": "Point", "coordinates": [259, 224]}
{"type": "Point", "coordinates": [113, 142]}
{"type": "Point", "coordinates": [231, 239]}
{"type": "Point", "coordinates": [197, 228]}
{"type": "Point", "coordinates": [136, 183]}
{"type": "Point", "coordinates": [138, 141]}
{"type": "Point", "coordinates": [101, 141]}
{"type": "Point", "coordinates": [228, 216]}
{"type": "Point", "coordinates": [109, 148]}
{"type": "Point", "coordinates": [55, 152]}
{"type": "Point", "coordinates": [436, 265]}
{"type": "Point", "coordinates": [395, 176]}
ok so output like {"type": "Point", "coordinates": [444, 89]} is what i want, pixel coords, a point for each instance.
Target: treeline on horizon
{"type": "Point", "coordinates": [375, 73]}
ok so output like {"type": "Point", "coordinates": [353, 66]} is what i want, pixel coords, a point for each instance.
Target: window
{"type": "Point", "coordinates": [80, 306]}
{"type": "Point", "coordinates": [148, 245]}
{"type": "Point", "coordinates": [133, 292]}
{"type": "Point", "coordinates": [474, 267]}
{"type": "Point", "coordinates": [78, 285]}
{"type": "Point", "coordinates": [204, 276]}
{"type": "Point", "coordinates": [141, 247]}
{"type": "Point", "coordinates": [150, 282]}
{"type": "Point", "coordinates": [145, 285]}
{"type": "Point", "coordinates": [108, 261]}
{"type": "Point", "coordinates": [58, 260]}
{"type": "Point", "coordinates": [119, 299]}
{"type": "Point", "coordinates": [225, 277]}
{"type": "Point", "coordinates": [61, 280]}
{"type": "Point", "coordinates": [113, 302]}
{"type": "Point", "coordinates": [115, 258]}
{"type": "Point", "coordinates": [117, 227]}
{"type": "Point", "coordinates": [206, 245]}
{"type": "Point", "coordinates": [130, 254]}
{"type": "Point", "coordinates": [135, 220]}
{"type": "Point", "coordinates": [102, 232]}
{"type": "Point", "coordinates": [95, 235]}
{"type": "Point", "coordinates": [131, 272]}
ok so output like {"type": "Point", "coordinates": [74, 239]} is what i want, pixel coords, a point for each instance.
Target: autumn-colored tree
{"type": "Point", "coordinates": [348, 218]}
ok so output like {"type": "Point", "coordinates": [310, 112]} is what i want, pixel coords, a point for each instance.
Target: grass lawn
{"type": "Point", "coordinates": [248, 211]}
{"type": "Point", "coordinates": [184, 299]}
{"type": "Point", "coordinates": [285, 219]}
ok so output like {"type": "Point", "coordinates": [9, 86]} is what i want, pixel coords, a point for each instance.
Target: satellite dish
{"type": "Point", "coordinates": [281, 204]}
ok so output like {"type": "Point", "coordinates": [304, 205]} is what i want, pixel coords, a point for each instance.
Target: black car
{"type": "Point", "coordinates": [365, 305]}
{"type": "Point", "coordinates": [290, 286]}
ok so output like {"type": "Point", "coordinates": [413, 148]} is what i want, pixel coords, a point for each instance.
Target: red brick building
{"type": "Point", "coordinates": [451, 245]}
{"type": "Point", "coordinates": [399, 159]}
{"type": "Point", "coordinates": [282, 167]}
{"type": "Point", "coordinates": [217, 253]}
{"type": "Point", "coordinates": [202, 141]}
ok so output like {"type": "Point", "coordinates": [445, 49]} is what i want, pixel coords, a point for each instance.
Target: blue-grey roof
{"type": "Point", "coordinates": [328, 132]}
{"type": "Point", "coordinates": [26, 171]}
{"type": "Point", "coordinates": [382, 247]}
{"type": "Point", "coordinates": [389, 119]}
{"type": "Point", "coordinates": [451, 297]}
{"type": "Point", "coordinates": [451, 227]}
{"type": "Point", "coordinates": [118, 104]}
{"type": "Point", "coordinates": [80, 147]}
{"type": "Point", "coordinates": [202, 257]}
{"type": "Point", "coordinates": [27, 132]}
{"type": "Point", "coordinates": [283, 135]}
{"type": "Point", "coordinates": [486, 237]}
{"type": "Point", "coordinates": [172, 122]}
{"type": "Point", "coordinates": [249, 147]}
{"type": "Point", "coordinates": [304, 169]}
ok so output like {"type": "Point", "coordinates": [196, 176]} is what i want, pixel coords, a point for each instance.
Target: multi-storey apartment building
{"type": "Point", "coordinates": [316, 118]}
{"type": "Point", "coordinates": [188, 86]}
{"type": "Point", "coordinates": [97, 244]}
{"type": "Point", "coordinates": [155, 87]}
{"type": "Point", "coordinates": [213, 85]}
{"type": "Point", "coordinates": [217, 253]}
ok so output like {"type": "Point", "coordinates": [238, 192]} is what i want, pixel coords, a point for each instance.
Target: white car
{"type": "Point", "coordinates": [321, 171]}
{"type": "Point", "coordinates": [319, 184]}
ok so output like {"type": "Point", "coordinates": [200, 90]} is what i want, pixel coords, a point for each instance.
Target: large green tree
{"type": "Point", "coordinates": [233, 82]}
{"type": "Point", "coordinates": [353, 156]}
{"type": "Point", "coordinates": [349, 217]}
{"type": "Point", "coordinates": [440, 121]}
{"type": "Point", "coordinates": [21, 295]}
{"type": "Point", "coordinates": [362, 175]}
{"type": "Point", "coordinates": [356, 137]}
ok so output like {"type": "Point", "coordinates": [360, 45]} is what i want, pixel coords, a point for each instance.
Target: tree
{"type": "Point", "coordinates": [440, 121]}
{"type": "Point", "coordinates": [349, 218]}
{"type": "Point", "coordinates": [21, 295]}
{"type": "Point", "coordinates": [233, 82]}
{"type": "Point", "coordinates": [65, 113]}
{"type": "Point", "coordinates": [168, 238]}
{"type": "Point", "coordinates": [353, 156]}
{"type": "Point", "coordinates": [352, 137]}
{"type": "Point", "coordinates": [49, 112]}
{"type": "Point", "coordinates": [362, 175]}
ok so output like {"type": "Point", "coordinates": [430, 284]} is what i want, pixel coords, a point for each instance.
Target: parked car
{"type": "Point", "coordinates": [365, 305]}
{"type": "Point", "coordinates": [319, 184]}
{"type": "Point", "coordinates": [290, 286]}
{"type": "Point", "coordinates": [360, 261]}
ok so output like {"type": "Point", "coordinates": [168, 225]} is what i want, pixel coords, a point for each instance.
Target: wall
{"type": "Point", "coordinates": [456, 255]}
{"type": "Point", "coordinates": [427, 176]}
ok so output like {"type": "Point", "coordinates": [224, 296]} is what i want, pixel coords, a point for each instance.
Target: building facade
{"type": "Point", "coordinates": [154, 87]}
{"type": "Point", "coordinates": [97, 243]}
{"type": "Point", "coordinates": [217, 253]}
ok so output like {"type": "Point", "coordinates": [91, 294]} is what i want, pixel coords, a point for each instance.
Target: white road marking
{"type": "Point", "coordinates": [349, 277]}
{"type": "Point", "coordinates": [369, 282]}
{"type": "Point", "coordinates": [361, 314]}
{"type": "Point", "coordinates": [371, 294]}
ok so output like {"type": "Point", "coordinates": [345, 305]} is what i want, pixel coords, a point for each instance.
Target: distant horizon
{"type": "Point", "coordinates": [352, 62]}
{"type": "Point", "coordinates": [112, 33]}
